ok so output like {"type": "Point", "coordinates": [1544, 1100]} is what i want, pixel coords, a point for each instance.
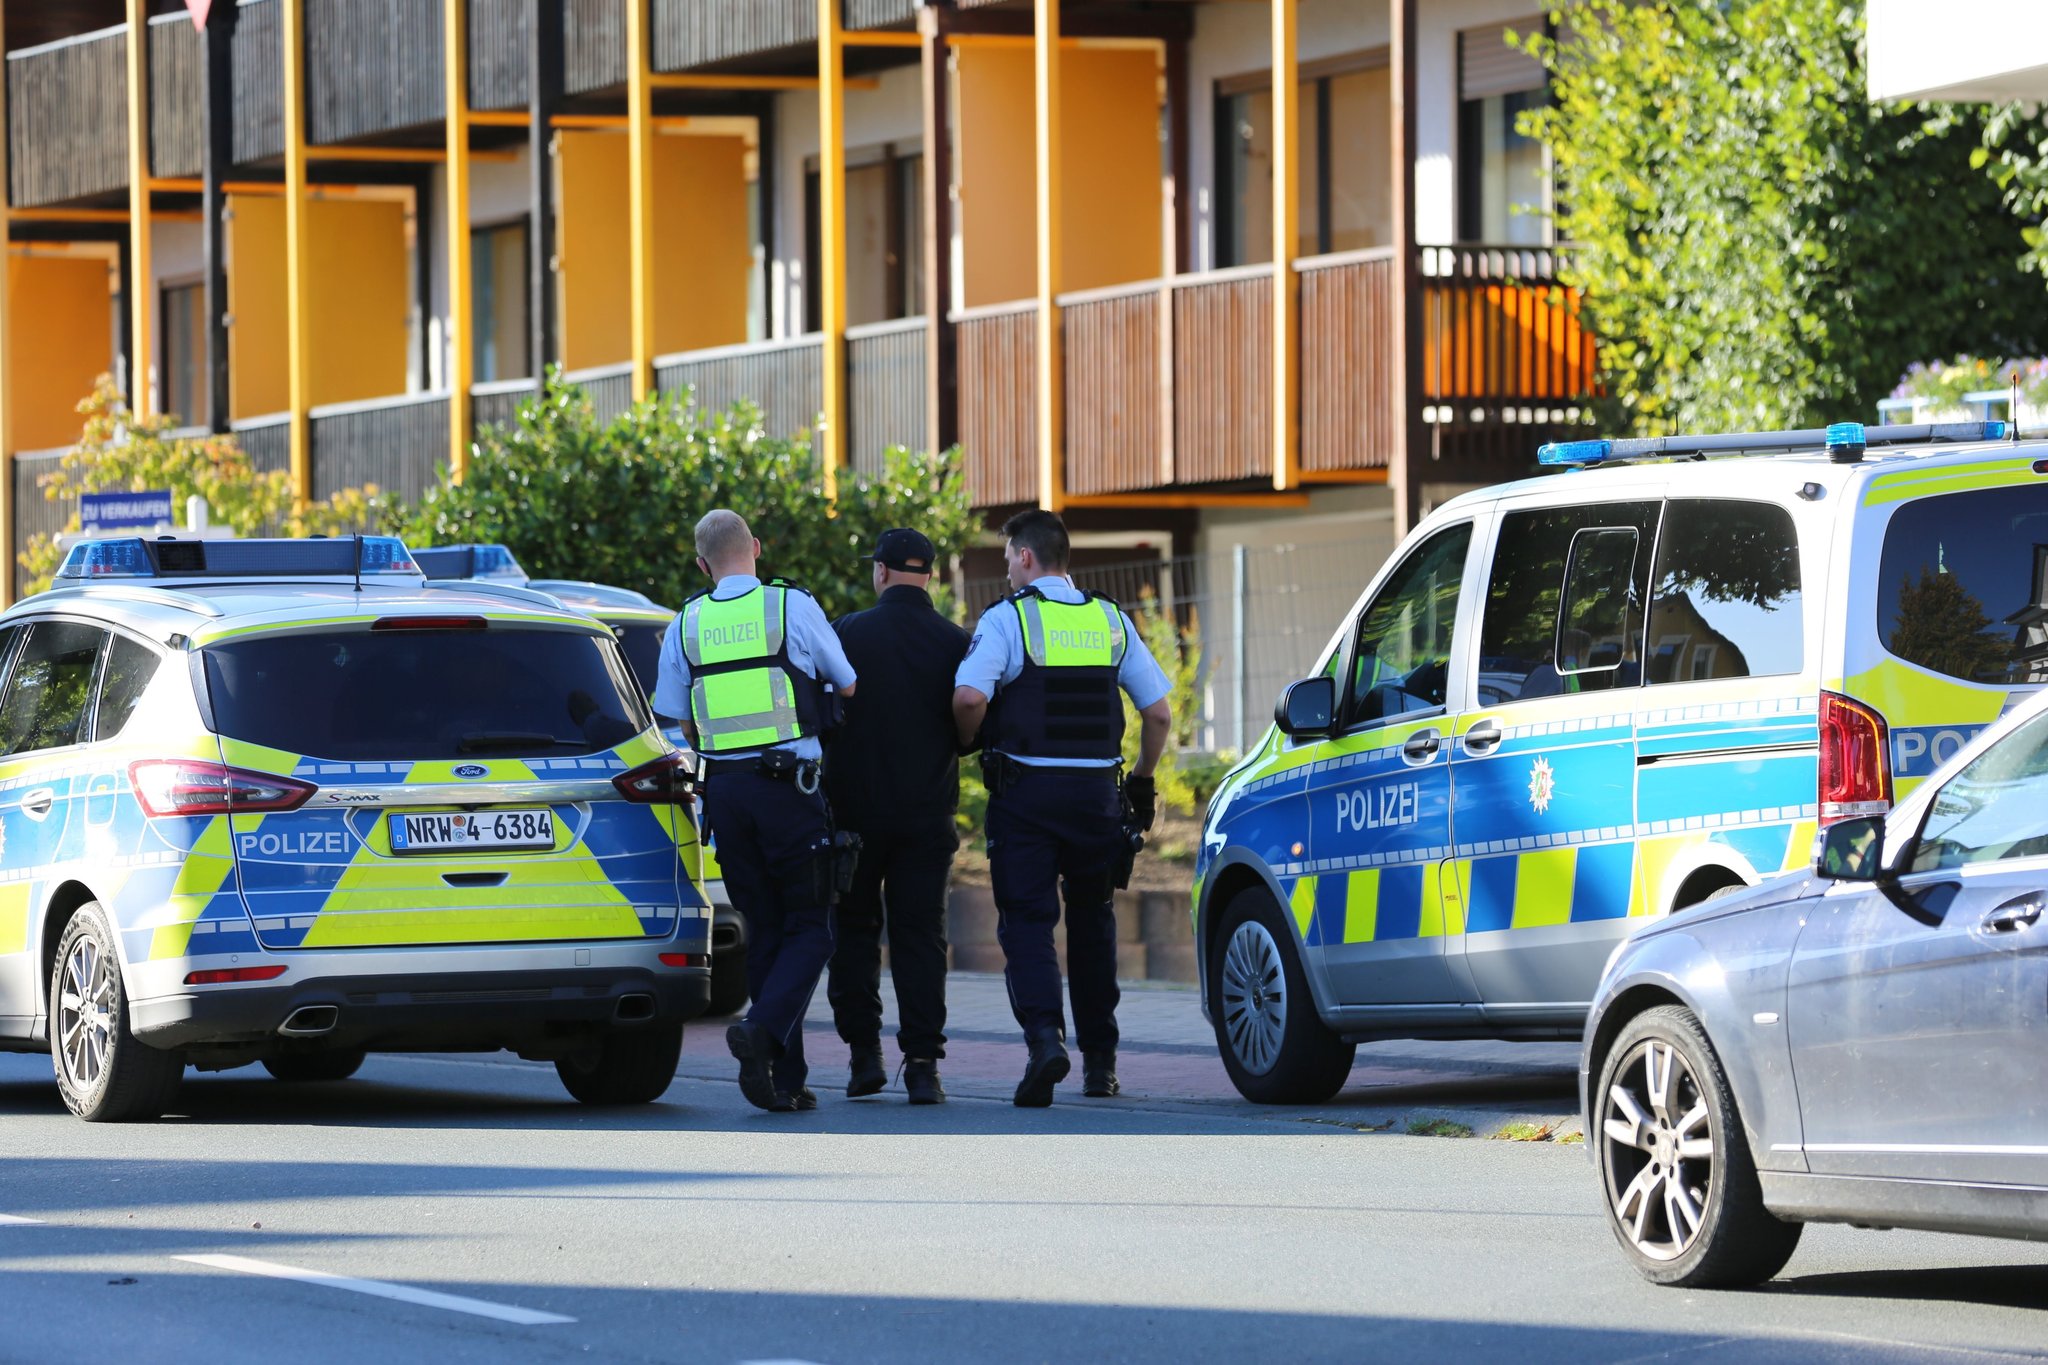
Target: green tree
{"type": "Point", "coordinates": [1943, 627]}
{"type": "Point", "coordinates": [1758, 244]}
{"type": "Point", "coordinates": [617, 502]}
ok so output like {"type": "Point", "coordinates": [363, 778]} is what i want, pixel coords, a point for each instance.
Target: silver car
{"type": "Point", "coordinates": [1863, 1043]}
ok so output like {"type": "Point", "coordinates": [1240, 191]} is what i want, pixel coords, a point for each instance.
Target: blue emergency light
{"type": "Point", "coordinates": [490, 563]}
{"type": "Point", "coordinates": [317, 557]}
{"type": "Point", "coordinates": [1844, 442]}
{"type": "Point", "coordinates": [1577, 454]}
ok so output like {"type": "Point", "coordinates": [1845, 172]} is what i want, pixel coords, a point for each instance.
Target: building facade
{"type": "Point", "coordinates": [1197, 274]}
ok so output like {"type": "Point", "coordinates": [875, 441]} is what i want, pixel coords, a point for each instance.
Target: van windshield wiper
{"type": "Point", "coordinates": [486, 740]}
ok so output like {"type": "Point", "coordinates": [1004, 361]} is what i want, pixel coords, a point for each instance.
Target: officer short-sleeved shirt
{"type": "Point", "coordinates": [807, 635]}
{"type": "Point", "coordinates": [996, 657]}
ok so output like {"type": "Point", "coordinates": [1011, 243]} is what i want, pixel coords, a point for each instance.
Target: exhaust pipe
{"type": "Point", "coordinates": [310, 1021]}
{"type": "Point", "coordinates": [634, 1009]}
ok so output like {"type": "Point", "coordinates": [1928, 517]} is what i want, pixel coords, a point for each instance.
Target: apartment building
{"type": "Point", "coordinates": [1198, 273]}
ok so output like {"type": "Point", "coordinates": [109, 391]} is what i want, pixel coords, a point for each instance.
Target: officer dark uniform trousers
{"type": "Point", "coordinates": [744, 663]}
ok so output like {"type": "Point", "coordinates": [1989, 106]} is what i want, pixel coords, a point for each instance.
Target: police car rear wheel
{"type": "Point", "coordinates": [1274, 1045]}
{"type": "Point", "coordinates": [1682, 1192]}
{"type": "Point", "coordinates": [633, 1066]}
{"type": "Point", "coordinates": [104, 1074]}
{"type": "Point", "coordinates": [310, 1067]}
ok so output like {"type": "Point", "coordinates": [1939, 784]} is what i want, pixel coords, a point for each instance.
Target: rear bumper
{"type": "Point", "coordinates": [419, 1011]}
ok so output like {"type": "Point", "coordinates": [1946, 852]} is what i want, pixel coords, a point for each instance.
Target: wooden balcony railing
{"type": "Point", "coordinates": [997, 355]}
{"type": "Point", "coordinates": [1115, 401]}
{"type": "Point", "coordinates": [1498, 328]}
{"type": "Point", "coordinates": [496, 402]}
{"type": "Point", "coordinates": [266, 440]}
{"type": "Point", "coordinates": [784, 379]}
{"type": "Point", "coordinates": [177, 100]}
{"type": "Point", "coordinates": [398, 444]}
{"type": "Point", "coordinates": [67, 119]}
{"type": "Point", "coordinates": [1223, 375]}
{"type": "Point", "coordinates": [1349, 331]}
{"type": "Point", "coordinates": [372, 67]}
{"type": "Point", "coordinates": [885, 379]}
{"type": "Point", "coordinates": [691, 34]}
{"type": "Point", "coordinates": [860, 14]}
{"type": "Point", "coordinates": [593, 49]}
{"type": "Point", "coordinates": [610, 388]}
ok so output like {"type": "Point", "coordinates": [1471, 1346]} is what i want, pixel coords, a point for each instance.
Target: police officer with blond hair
{"type": "Point", "coordinates": [1039, 689]}
{"type": "Point", "coordinates": [744, 667]}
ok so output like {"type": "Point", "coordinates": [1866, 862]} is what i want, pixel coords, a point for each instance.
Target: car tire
{"type": "Point", "coordinates": [728, 984]}
{"type": "Point", "coordinates": [308, 1067]}
{"type": "Point", "coordinates": [631, 1066]}
{"type": "Point", "coordinates": [1274, 1044]}
{"type": "Point", "coordinates": [1678, 1179]}
{"type": "Point", "coordinates": [104, 1073]}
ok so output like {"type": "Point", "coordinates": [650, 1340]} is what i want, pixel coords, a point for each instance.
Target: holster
{"type": "Point", "coordinates": [999, 772]}
{"type": "Point", "coordinates": [833, 864]}
{"type": "Point", "coordinates": [1126, 857]}
{"type": "Point", "coordinates": [785, 766]}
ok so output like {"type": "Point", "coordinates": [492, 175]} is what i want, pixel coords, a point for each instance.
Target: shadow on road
{"type": "Point", "coordinates": [2013, 1286]}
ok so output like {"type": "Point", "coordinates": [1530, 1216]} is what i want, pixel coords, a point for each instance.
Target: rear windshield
{"type": "Point", "coordinates": [425, 694]}
{"type": "Point", "coordinates": [642, 646]}
{"type": "Point", "coordinates": [1963, 587]}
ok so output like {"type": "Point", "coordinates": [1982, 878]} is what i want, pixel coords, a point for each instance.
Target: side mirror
{"type": "Point", "coordinates": [1852, 851]}
{"type": "Point", "coordinates": [1307, 708]}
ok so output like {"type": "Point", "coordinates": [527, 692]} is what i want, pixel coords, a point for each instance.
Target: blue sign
{"type": "Point", "coordinates": [124, 511]}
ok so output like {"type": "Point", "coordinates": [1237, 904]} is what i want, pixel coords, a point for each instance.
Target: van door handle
{"type": "Point", "coordinates": [1422, 746]}
{"type": "Point", "coordinates": [2013, 916]}
{"type": "Point", "coordinates": [1482, 738]}
{"type": "Point", "coordinates": [37, 802]}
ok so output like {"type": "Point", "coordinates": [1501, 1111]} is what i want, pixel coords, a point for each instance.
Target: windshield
{"type": "Point", "coordinates": [642, 646]}
{"type": "Point", "coordinates": [425, 694]}
{"type": "Point", "coordinates": [1963, 585]}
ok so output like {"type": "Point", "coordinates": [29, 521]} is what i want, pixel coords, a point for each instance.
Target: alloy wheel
{"type": "Point", "coordinates": [1658, 1136]}
{"type": "Point", "coordinates": [1254, 996]}
{"type": "Point", "coordinates": [85, 1015]}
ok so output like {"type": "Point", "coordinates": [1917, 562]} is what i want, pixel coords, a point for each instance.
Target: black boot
{"type": "Point", "coordinates": [1048, 1066]}
{"type": "Point", "coordinates": [869, 1076]}
{"type": "Point", "coordinates": [1098, 1073]}
{"type": "Point", "coordinates": [921, 1081]}
{"type": "Point", "coordinates": [756, 1052]}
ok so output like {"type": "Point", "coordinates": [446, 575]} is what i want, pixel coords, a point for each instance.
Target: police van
{"type": "Point", "coordinates": [279, 802]}
{"type": "Point", "coordinates": [638, 623]}
{"type": "Point", "coordinates": [1571, 703]}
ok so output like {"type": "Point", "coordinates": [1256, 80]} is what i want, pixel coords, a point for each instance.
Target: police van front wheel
{"type": "Point", "coordinates": [104, 1074]}
{"type": "Point", "coordinates": [630, 1066]}
{"type": "Point", "coordinates": [1274, 1045]}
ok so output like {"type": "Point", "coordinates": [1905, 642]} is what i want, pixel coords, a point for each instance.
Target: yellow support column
{"type": "Point", "coordinates": [297, 368]}
{"type": "Point", "coordinates": [1286, 232]}
{"type": "Point", "coordinates": [8, 549]}
{"type": "Point", "coordinates": [831, 436]}
{"type": "Point", "coordinates": [141, 395]}
{"type": "Point", "coordinates": [1051, 405]}
{"type": "Point", "coordinates": [455, 99]}
{"type": "Point", "coordinates": [640, 193]}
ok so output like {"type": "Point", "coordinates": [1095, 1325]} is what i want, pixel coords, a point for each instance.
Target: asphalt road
{"type": "Point", "coordinates": [701, 1230]}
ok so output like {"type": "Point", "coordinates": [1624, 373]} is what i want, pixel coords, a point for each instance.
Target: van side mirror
{"type": "Point", "coordinates": [1307, 708]}
{"type": "Point", "coordinates": [1852, 850]}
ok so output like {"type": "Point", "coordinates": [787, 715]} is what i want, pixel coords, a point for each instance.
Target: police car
{"type": "Point", "coordinates": [1570, 704]}
{"type": "Point", "coordinates": [638, 623]}
{"type": "Point", "coordinates": [278, 801]}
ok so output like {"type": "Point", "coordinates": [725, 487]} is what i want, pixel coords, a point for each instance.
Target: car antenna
{"type": "Point", "coordinates": [359, 561]}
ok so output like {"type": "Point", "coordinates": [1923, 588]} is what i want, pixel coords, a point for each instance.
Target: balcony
{"type": "Point", "coordinates": [593, 50]}
{"type": "Point", "coordinates": [67, 119]}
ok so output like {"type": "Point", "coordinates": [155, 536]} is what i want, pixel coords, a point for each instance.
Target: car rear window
{"type": "Point", "coordinates": [642, 647]}
{"type": "Point", "coordinates": [1963, 584]}
{"type": "Point", "coordinates": [425, 694]}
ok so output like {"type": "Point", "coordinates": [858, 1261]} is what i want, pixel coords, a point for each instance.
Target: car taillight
{"type": "Point", "coordinates": [189, 786]}
{"type": "Point", "coordinates": [1855, 760]}
{"type": "Point", "coordinates": [225, 975]}
{"type": "Point", "coordinates": [678, 960]}
{"type": "Point", "coordinates": [664, 782]}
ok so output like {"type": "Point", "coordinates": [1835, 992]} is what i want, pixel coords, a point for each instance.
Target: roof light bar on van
{"type": "Point", "coordinates": [493, 563]}
{"type": "Point", "coordinates": [317, 556]}
{"type": "Point", "coordinates": [1585, 454]}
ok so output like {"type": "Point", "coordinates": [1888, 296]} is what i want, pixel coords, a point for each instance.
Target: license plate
{"type": "Point", "coordinates": [464, 831]}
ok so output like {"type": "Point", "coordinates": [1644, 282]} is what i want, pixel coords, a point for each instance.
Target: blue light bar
{"type": "Point", "coordinates": [324, 557]}
{"type": "Point", "coordinates": [1845, 442]}
{"type": "Point", "coordinates": [1577, 454]}
{"type": "Point", "coordinates": [491, 563]}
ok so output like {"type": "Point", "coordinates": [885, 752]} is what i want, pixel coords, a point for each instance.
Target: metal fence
{"type": "Point", "coordinates": [1257, 617]}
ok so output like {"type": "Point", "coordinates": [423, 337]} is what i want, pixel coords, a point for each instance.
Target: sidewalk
{"type": "Point", "coordinates": [1168, 1062]}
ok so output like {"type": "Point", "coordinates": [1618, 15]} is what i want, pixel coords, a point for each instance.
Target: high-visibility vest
{"type": "Point", "coordinates": [744, 692]}
{"type": "Point", "coordinates": [1065, 703]}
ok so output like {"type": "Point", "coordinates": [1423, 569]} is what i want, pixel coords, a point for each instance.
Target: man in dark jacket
{"type": "Point", "coordinates": [894, 779]}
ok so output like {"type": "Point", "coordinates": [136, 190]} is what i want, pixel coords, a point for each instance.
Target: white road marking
{"type": "Point", "coordinates": [7, 1219]}
{"type": "Point", "coordinates": [404, 1293]}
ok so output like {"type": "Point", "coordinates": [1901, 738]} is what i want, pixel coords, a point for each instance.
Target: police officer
{"type": "Point", "coordinates": [743, 667]}
{"type": "Point", "coordinates": [1039, 688]}
{"type": "Point", "coordinates": [894, 779]}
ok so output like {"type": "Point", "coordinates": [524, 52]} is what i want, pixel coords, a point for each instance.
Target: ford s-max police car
{"type": "Point", "coordinates": [276, 801]}
{"type": "Point", "coordinates": [638, 623]}
{"type": "Point", "coordinates": [1568, 704]}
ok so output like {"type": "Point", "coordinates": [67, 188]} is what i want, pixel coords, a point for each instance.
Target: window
{"type": "Point", "coordinates": [1727, 602]}
{"type": "Point", "coordinates": [1503, 177]}
{"type": "Point", "coordinates": [130, 666]}
{"type": "Point", "coordinates": [1564, 603]}
{"type": "Point", "coordinates": [642, 648]}
{"type": "Point", "coordinates": [498, 302]}
{"type": "Point", "coordinates": [45, 703]}
{"type": "Point", "coordinates": [884, 237]}
{"type": "Point", "coordinates": [184, 352]}
{"type": "Point", "coordinates": [1403, 655]}
{"type": "Point", "coordinates": [1994, 808]}
{"type": "Point", "coordinates": [1962, 585]}
{"type": "Point", "coordinates": [1346, 181]}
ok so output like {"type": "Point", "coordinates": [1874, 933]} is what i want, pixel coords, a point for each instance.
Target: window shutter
{"type": "Point", "coordinates": [1488, 66]}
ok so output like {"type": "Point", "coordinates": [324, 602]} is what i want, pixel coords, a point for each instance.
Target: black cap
{"type": "Point", "coordinates": [904, 550]}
